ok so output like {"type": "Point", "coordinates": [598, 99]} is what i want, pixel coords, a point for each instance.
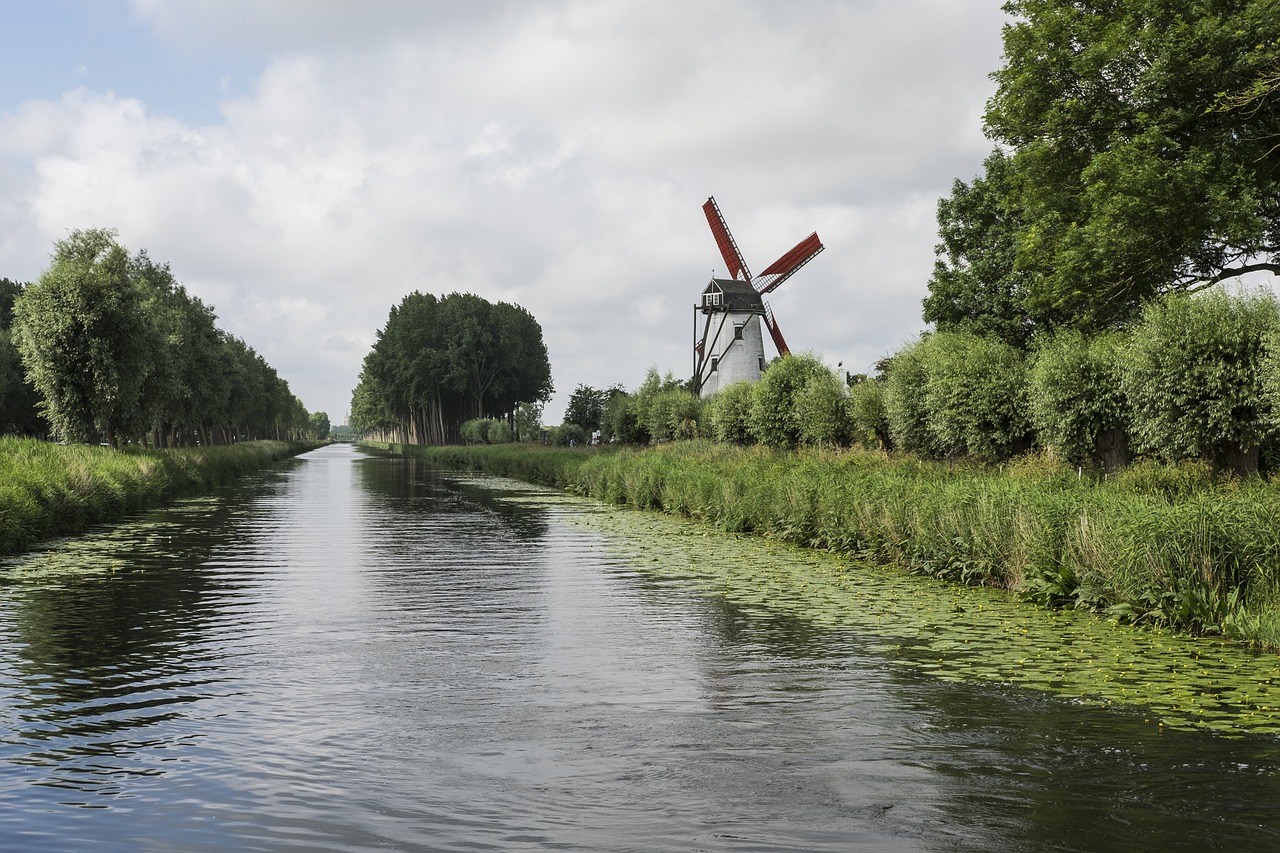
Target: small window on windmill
{"type": "Point", "coordinates": [715, 364]}
{"type": "Point", "coordinates": [762, 364]}
{"type": "Point", "coordinates": [737, 332]}
{"type": "Point", "coordinates": [711, 300]}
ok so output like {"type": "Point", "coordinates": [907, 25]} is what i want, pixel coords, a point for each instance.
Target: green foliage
{"type": "Point", "coordinates": [869, 415]}
{"type": "Point", "coordinates": [620, 423]}
{"type": "Point", "coordinates": [975, 395]}
{"type": "Point", "coordinates": [1075, 394]}
{"type": "Point", "coordinates": [319, 425]}
{"type": "Point", "coordinates": [528, 421]}
{"type": "Point", "coordinates": [499, 432]}
{"type": "Point", "coordinates": [475, 431]}
{"type": "Point", "coordinates": [824, 411]}
{"type": "Point", "coordinates": [587, 405]}
{"type": "Point", "coordinates": [976, 286]}
{"type": "Point", "coordinates": [673, 414]}
{"type": "Point", "coordinates": [954, 393]}
{"type": "Point", "coordinates": [663, 408]}
{"type": "Point", "coordinates": [905, 406]}
{"type": "Point", "coordinates": [439, 362]}
{"type": "Point", "coordinates": [774, 419]}
{"type": "Point", "coordinates": [569, 435]}
{"type": "Point", "coordinates": [728, 414]}
{"type": "Point", "coordinates": [81, 331]}
{"type": "Point", "coordinates": [1144, 154]}
{"type": "Point", "coordinates": [114, 347]}
{"type": "Point", "coordinates": [1193, 376]}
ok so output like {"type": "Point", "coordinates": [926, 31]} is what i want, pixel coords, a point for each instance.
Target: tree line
{"type": "Point", "coordinates": [108, 346]}
{"type": "Point", "coordinates": [440, 362]}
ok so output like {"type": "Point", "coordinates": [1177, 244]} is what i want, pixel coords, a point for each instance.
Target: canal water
{"type": "Point", "coordinates": [353, 652]}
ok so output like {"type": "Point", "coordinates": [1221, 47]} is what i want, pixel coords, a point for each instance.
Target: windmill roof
{"type": "Point", "coordinates": [737, 295]}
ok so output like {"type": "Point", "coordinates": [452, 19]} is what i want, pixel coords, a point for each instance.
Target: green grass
{"type": "Point", "coordinates": [1170, 546]}
{"type": "Point", "coordinates": [49, 490]}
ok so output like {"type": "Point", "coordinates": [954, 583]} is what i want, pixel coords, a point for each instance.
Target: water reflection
{"type": "Point", "coordinates": [354, 652]}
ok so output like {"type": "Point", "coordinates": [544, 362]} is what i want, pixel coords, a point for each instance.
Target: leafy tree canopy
{"type": "Point", "coordinates": [1143, 157]}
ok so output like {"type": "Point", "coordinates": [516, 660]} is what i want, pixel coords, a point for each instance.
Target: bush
{"type": "Point", "coordinates": [1194, 375]}
{"type": "Point", "coordinates": [499, 432]}
{"type": "Point", "coordinates": [822, 407]}
{"type": "Point", "coordinates": [904, 401]}
{"type": "Point", "coordinates": [568, 434]}
{"type": "Point", "coordinates": [727, 414]}
{"type": "Point", "coordinates": [774, 419]}
{"type": "Point", "coordinates": [1077, 406]}
{"type": "Point", "coordinates": [870, 419]}
{"type": "Point", "coordinates": [975, 395]}
{"type": "Point", "coordinates": [619, 422]}
{"type": "Point", "coordinates": [475, 431]}
{"type": "Point", "coordinates": [673, 413]}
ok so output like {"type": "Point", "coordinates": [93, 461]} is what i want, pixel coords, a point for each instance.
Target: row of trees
{"type": "Point", "coordinates": [1195, 377]}
{"type": "Point", "coordinates": [112, 348]}
{"type": "Point", "coordinates": [440, 362]}
{"type": "Point", "coordinates": [19, 402]}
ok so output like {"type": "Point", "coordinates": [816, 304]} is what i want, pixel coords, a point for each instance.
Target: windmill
{"type": "Point", "coordinates": [731, 348]}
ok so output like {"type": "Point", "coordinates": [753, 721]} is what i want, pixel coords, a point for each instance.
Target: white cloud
{"type": "Point", "coordinates": [553, 154]}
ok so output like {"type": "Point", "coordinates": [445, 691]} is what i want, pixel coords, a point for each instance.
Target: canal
{"type": "Point", "coordinates": [353, 652]}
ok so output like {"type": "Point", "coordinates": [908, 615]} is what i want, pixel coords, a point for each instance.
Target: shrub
{"type": "Point", "coordinates": [822, 406]}
{"type": "Point", "coordinates": [904, 401]}
{"type": "Point", "coordinates": [728, 414]}
{"type": "Point", "coordinates": [975, 395]}
{"type": "Point", "coordinates": [870, 419]}
{"type": "Point", "coordinates": [1077, 406]}
{"type": "Point", "coordinates": [499, 432]}
{"type": "Point", "coordinates": [568, 434]}
{"type": "Point", "coordinates": [1194, 375]}
{"type": "Point", "coordinates": [619, 422]}
{"type": "Point", "coordinates": [475, 431]}
{"type": "Point", "coordinates": [773, 418]}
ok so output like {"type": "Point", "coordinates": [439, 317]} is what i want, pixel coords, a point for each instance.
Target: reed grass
{"type": "Point", "coordinates": [49, 490]}
{"type": "Point", "coordinates": [1169, 545]}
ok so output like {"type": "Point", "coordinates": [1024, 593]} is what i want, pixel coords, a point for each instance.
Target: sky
{"type": "Point", "coordinates": [302, 165]}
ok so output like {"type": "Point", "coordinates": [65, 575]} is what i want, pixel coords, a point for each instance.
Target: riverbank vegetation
{"type": "Point", "coordinates": [109, 346]}
{"type": "Point", "coordinates": [49, 490]}
{"type": "Point", "coordinates": [1172, 545]}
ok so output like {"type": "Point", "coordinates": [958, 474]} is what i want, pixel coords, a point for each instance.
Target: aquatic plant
{"type": "Point", "coordinates": [1174, 546]}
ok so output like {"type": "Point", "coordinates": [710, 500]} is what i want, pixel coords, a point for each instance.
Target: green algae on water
{"type": "Point", "coordinates": [955, 633]}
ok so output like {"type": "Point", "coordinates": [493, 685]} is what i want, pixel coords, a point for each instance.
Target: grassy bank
{"type": "Point", "coordinates": [1173, 546]}
{"type": "Point", "coordinates": [51, 490]}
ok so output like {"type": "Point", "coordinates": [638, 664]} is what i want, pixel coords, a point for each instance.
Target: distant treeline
{"type": "Point", "coordinates": [440, 362]}
{"type": "Point", "coordinates": [108, 346]}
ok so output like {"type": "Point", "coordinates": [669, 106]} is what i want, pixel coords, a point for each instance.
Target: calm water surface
{"type": "Point", "coordinates": [357, 653]}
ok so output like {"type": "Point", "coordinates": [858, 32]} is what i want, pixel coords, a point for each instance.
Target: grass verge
{"type": "Point", "coordinates": [49, 490]}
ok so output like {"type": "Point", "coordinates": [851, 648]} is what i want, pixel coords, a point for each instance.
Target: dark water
{"type": "Point", "coordinates": [355, 653]}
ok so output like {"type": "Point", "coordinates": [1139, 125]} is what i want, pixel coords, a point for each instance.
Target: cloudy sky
{"type": "Point", "coordinates": [304, 164]}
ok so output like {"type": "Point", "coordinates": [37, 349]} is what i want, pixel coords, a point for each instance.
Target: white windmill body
{"type": "Point", "coordinates": [732, 345]}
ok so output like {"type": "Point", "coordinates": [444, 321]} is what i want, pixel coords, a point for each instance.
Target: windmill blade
{"type": "Point", "coordinates": [785, 267]}
{"type": "Point", "coordinates": [772, 324]}
{"type": "Point", "coordinates": [724, 240]}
